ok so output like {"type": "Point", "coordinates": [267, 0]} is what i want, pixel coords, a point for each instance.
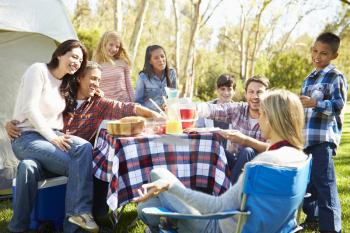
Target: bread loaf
{"type": "Point", "coordinates": [131, 119]}
{"type": "Point", "coordinates": [127, 126]}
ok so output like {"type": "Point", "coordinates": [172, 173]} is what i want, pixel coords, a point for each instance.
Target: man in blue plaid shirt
{"type": "Point", "coordinates": [245, 138]}
{"type": "Point", "coordinates": [323, 96]}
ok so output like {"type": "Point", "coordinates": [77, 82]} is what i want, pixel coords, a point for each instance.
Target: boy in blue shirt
{"type": "Point", "coordinates": [323, 96]}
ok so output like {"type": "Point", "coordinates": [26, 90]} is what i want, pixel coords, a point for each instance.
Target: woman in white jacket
{"type": "Point", "coordinates": [283, 129]}
{"type": "Point", "coordinates": [39, 106]}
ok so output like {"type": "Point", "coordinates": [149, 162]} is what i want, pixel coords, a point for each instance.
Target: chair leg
{"type": "Point", "coordinates": [132, 224]}
{"type": "Point", "coordinates": [307, 195]}
{"type": "Point", "coordinates": [299, 214]}
{"type": "Point", "coordinates": [297, 229]}
{"type": "Point", "coordinates": [120, 213]}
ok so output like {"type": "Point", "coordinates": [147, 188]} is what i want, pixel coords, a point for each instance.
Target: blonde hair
{"type": "Point", "coordinates": [285, 114]}
{"type": "Point", "coordinates": [101, 55]}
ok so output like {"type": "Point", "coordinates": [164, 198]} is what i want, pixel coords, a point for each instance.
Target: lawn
{"type": "Point", "coordinates": [342, 163]}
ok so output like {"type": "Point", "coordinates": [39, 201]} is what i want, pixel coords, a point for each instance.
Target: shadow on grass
{"type": "Point", "coordinates": [5, 214]}
{"type": "Point", "coordinates": [126, 222]}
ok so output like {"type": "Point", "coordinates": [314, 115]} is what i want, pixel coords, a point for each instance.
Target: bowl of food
{"type": "Point", "coordinates": [127, 126]}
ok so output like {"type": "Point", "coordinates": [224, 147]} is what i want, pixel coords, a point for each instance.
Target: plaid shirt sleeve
{"type": "Point", "coordinates": [228, 112]}
{"type": "Point", "coordinates": [112, 109]}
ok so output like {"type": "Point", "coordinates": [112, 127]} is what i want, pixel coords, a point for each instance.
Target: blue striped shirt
{"type": "Point", "coordinates": [324, 122]}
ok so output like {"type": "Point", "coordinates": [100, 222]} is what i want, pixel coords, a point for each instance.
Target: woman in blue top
{"type": "Point", "coordinates": [154, 77]}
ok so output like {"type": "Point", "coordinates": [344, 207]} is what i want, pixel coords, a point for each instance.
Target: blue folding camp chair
{"type": "Point", "coordinates": [271, 198]}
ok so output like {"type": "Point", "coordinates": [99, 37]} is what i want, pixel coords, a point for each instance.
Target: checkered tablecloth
{"type": "Point", "coordinates": [198, 160]}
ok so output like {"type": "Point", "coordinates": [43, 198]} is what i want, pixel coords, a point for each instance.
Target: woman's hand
{"type": "Point", "coordinates": [99, 92]}
{"type": "Point", "coordinates": [234, 136]}
{"type": "Point", "coordinates": [12, 130]}
{"type": "Point", "coordinates": [62, 142]}
{"type": "Point", "coordinates": [151, 190]}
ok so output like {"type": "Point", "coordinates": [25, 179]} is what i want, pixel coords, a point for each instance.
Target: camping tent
{"type": "Point", "coordinates": [29, 32]}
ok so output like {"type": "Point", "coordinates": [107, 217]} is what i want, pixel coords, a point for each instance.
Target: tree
{"type": "Point", "coordinates": [136, 34]}
{"type": "Point", "coordinates": [118, 16]}
{"type": "Point", "coordinates": [188, 72]}
{"type": "Point", "coordinates": [90, 39]}
{"type": "Point", "coordinates": [345, 1]}
{"type": "Point", "coordinates": [197, 21]}
{"type": "Point", "coordinates": [177, 37]}
{"type": "Point", "coordinates": [288, 69]}
{"type": "Point", "coordinates": [82, 15]}
{"type": "Point", "coordinates": [105, 15]}
{"type": "Point", "coordinates": [251, 37]}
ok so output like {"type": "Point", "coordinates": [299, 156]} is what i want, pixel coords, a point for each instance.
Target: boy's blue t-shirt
{"type": "Point", "coordinates": [324, 122]}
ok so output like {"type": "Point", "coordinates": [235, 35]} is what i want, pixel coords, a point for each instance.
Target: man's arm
{"type": "Point", "coordinates": [220, 112]}
{"type": "Point", "coordinates": [237, 137]}
{"type": "Point", "coordinates": [147, 113]}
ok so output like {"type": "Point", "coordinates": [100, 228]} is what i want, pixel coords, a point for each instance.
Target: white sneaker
{"type": "Point", "coordinates": [84, 221]}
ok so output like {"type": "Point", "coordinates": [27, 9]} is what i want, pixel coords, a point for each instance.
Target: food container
{"type": "Point", "coordinates": [155, 126]}
{"type": "Point", "coordinates": [127, 126]}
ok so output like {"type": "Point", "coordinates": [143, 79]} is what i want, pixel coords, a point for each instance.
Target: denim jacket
{"type": "Point", "coordinates": [153, 88]}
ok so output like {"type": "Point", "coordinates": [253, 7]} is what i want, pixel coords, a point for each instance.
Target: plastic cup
{"type": "Point", "coordinates": [187, 114]}
{"type": "Point", "coordinates": [173, 127]}
{"type": "Point", "coordinates": [187, 117]}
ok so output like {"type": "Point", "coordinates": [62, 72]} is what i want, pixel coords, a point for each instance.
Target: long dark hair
{"type": "Point", "coordinates": [147, 67]}
{"type": "Point", "coordinates": [63, 48]}
{"type": "Point", "coordinates": [73, 83]}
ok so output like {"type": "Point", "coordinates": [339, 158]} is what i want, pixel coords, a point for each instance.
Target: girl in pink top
{"type": "Point", "coordinates": [115, 62]}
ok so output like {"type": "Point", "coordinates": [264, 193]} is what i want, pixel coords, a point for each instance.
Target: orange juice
{"type": "Point", "coordinates": [173, 127]}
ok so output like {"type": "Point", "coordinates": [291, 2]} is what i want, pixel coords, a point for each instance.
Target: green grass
{"type": "Point", "coordinates": [5, 214]}
{"type": "Point", "coordinates": [342, 164]}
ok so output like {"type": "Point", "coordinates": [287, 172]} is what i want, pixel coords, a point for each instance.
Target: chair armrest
{"type": "Point", "coordinates": [167, 213]}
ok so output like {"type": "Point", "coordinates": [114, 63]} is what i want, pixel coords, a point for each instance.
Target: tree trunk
{"type": "Point", "coordinates": [188, 73]}
{"type": "Point", "coordinates": [118, 16]}
{"type": "Point", "coordinates": [193, 75]}
{"type": "Point", "coordinates": [177, 41]}
{"type": "Point", "coordinates": [136, 34]}
{"type": "Point", "coordinates": [256, 38]}
{"type": "Point", "coordinates": [242, 47]}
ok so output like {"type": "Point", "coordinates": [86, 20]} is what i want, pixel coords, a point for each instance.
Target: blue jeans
{"type": "Point", "coordinates": [324, 204]}
{"type": "Point", "coordinates": [40, 157]}
{"type": "Point", "coordinates": [173, 203]}
{"type": "Point", "coordinates": [243, 156]}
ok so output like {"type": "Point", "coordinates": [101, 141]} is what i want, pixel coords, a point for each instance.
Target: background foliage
{"type": "Point", "coordinates": [255, 43]}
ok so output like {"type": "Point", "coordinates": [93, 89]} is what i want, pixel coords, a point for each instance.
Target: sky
{"type": "Point", "coordinates": [228, 13]}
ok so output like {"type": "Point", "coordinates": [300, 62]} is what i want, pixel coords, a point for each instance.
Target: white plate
{"type": "Point", "coordinates": [207, 130]}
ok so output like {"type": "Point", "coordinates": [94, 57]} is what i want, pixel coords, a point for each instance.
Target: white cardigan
{"type": "Point", "coordinates": [39, 104]}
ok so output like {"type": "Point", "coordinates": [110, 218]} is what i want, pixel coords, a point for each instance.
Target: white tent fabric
{"type": "Point", "coordinates": [29, 32]}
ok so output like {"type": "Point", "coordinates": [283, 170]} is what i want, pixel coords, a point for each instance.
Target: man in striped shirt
{"type": "Point", "coordinates": [243, 116]}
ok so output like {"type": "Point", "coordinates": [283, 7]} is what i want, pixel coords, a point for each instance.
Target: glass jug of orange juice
{"type": "Point", "coordinates": [173, 123]}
